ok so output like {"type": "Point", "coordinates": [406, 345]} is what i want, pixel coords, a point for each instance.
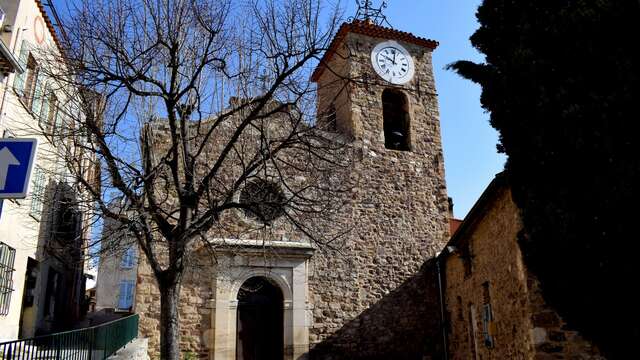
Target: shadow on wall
{"type": "Point", "coordinates": [60, 286]}
{"type": "Point", "coordinates": [404, 325]}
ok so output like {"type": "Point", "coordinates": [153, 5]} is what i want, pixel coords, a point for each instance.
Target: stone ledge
{"type": "Point", "coordinates": [302, 249]}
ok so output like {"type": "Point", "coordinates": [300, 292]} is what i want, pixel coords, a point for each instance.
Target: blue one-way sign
{"type": "Point", "coordinates": [16, 161]}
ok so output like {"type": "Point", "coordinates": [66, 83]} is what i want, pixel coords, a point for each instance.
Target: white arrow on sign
{"type": "Point", "coordinates": [6, 159]}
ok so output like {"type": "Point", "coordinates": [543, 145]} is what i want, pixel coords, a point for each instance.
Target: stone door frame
{"type": "Point", "coordinates": [286, 266]}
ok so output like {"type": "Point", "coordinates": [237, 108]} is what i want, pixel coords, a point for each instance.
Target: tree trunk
{"type": "Point", "coordinates": [169, 322]}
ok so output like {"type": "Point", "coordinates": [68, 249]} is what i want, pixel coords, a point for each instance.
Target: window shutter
{"type": "Point", "coordinates": [44, 112]}
{"type": "Point", "coordinates": [122, 298]}
{"type": "Point", "coordinates": [38, 94]}
{"type": "Point", "coordinates": [125, 259]}
{"type": "Point", "coordinates": [57, 123]}
{"type": "Point", "coordinates": [134, 256]}
{"type": "Point", "coordinates": [37, 192]}
{"type": "Point", "coordinates": [18, 82]}
{"type": "Point", "coordinates": [128, 259]}
{"type": "Point", "coordinates": [130, 293]}
{"type": "Point", "coordinates": [487, 322]}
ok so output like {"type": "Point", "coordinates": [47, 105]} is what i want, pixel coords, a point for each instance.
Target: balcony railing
{"type": "Point", "coordinates": [93, 343]}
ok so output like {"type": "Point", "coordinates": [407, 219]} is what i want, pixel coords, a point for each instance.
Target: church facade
{"type": "Point", "coordinates": [369, 298]}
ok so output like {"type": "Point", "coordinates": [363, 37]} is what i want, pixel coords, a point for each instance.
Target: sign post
{"type": "Point", "coordinates": [16, 161]}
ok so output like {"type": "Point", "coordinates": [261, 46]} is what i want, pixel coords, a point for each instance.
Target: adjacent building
{"type": "Point", "coordinates": [117, 271]}
{"type": "Point", "coordinates": [494, 304]}
{"type": "Point", "coordinates": [42, 237]}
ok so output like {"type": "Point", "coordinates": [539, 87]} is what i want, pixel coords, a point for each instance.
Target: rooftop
{"type": "Point", "coordinates": [370, 29]}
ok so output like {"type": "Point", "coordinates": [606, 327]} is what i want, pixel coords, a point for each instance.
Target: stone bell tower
{"type": "Point", "coordinates": [376, 86]}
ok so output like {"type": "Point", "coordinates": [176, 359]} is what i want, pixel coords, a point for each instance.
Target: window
{"type": "Point", "coordinates": [48, 117]}
{"type": "Point", "coordinates": [467, 259]}
{"type": "Point", "coordinates": [37, 193]}
{"type": "Point", "coordinates": [330, 118]}
{"type": "Point", "coordinates": [460, 309]}
{"type": "Point", "coordinates": [31, 278]}
{"type": "Point", "coordinates": [263, 199]}
{"type": "Point", "coordinates": [395, 112]}
{"type": "Point", "coordinates": [129, 258]}
{"type": "Point", "coordinates": [125, 298]}
{"type": "Point", "coordinates": [28, 85]}
{"type": "Point", "coordinates": [7, 258]}
{"type": "Point", "coordinates": [51, 293]}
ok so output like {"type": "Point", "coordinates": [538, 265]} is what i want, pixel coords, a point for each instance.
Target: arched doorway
{"type": "Point", "coordinates": [259, 321]}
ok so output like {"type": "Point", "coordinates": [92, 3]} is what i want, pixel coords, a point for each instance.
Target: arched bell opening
{"type": "Point", "coordinates": [395, 112]}
{"type": "Point", "coordinates": [259, 321]}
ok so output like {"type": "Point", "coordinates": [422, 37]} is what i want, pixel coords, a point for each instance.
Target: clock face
{"type": "Point", "coordinates": [392, 62]}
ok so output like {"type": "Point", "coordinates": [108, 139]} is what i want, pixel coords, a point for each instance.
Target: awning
{"type": "Point", "coordinates": [8, 62]}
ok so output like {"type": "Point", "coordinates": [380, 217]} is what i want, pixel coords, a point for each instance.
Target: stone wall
{"type": "Point", "coordinates": [552, 338]}
{"type": "Point", "coordinates": [486, 268]}
{"type": "Point", "coordinates": [405, 324]}
{"type": "Point", "coordinates": [493, 256]}
{"type": "Point", "coordinates": [194, 310]}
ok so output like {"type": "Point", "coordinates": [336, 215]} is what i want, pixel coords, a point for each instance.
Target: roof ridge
{"type": "Point", "coordinates": [369, 29]}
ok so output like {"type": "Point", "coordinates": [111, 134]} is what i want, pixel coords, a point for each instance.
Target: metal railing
{"type": "Point", "coordinates": [93, 343]}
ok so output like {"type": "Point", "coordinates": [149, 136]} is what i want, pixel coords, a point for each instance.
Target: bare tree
{"type": "Point", "coordinates": [195, 109]}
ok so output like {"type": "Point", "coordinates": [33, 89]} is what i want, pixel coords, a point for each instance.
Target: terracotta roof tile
{"type": "Point", "coordinates": [454, 224]}
{"type": "Point", "coordinates": [369, 29]}
{"type": "Point", "coordinates": [47, 21]}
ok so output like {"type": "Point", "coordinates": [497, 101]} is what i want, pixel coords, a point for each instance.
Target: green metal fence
{"type": "Point", "coordinates": [93, 343]}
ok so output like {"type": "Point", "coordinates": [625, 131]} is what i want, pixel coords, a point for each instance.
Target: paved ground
{"type": "Point", "coordinates": [135, 350]}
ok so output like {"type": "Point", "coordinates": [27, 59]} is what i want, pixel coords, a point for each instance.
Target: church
{"type": "Point", "coordinates": [404, 282]}
{"type": "Point", "coordinates": [369, 298]}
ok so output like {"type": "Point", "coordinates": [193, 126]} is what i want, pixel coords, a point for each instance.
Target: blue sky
{"type": "Point", "coordinates": [471, 159]}
{"type": "Point", "coordinates": [469, 142]}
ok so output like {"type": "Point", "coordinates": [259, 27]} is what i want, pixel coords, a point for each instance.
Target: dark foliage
{"type": "Point", "coordinates": [561, 84]}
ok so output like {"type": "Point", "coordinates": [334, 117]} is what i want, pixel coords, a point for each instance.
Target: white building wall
{"type": "Point", "coordinates": [18, 227]}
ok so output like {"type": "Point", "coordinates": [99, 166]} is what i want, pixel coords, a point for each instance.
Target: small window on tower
{"type": "Point", "coordinates": [395, 111]}
{"type": "Point", "coordinates": [330, 118]}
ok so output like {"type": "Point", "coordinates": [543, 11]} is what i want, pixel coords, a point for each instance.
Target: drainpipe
{"type": "Point", "coordinates": [442, 318]}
